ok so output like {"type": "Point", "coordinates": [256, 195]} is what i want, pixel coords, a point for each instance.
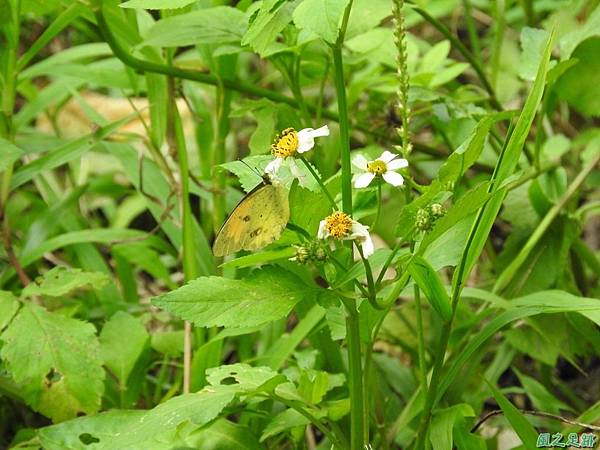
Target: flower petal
{"type": "Point", "coordinates": [297, 172]}
{"type": "Point", "coordinates": [360, 161]}
{"type": "Point", "coordinates": [363, 180]}
{"type": "Point", "coordinates": [273, 166]}
{"type": "Point", "coordinates": [386, 156]}
{"type": "Point", "coordinates": [367, 247]}
{"type": "Point", "coordinates": [393, 178]}
{"type": "Point", "coordinates": [322, 233]}
{"type": "Point", "coordinates": [359, 230]}
{"type": "Point", "coordinates": [306, 137]}
{"type": "Point", "coordinates": [396, 164]}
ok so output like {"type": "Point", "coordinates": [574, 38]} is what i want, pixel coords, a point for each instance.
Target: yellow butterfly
{"type": "Point", "coordinates": [257, 220]}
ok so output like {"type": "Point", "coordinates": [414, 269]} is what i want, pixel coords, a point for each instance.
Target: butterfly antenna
{"type": "Point", "coordinates": [255, 169]}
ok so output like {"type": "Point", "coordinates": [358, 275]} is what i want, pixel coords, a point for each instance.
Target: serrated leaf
{"type": "Point", "coordinates": [199, 408]}
{"type": "Point", "coordinates": [266, 295]}
{"type": "Point", "coordinates": [122, 340]}
{"type": "Point", "coordinates": [247, 378]}
{"type": "Point", "coordinates": [322, 17]}
{"type": "Point", "coordinates": [9, 306]}
{"type": "Point", "coordinates": [56, 361]}
{"type": "Point", "coordinates": [60, 281]}
{"type": "Point", "coordinates": [218, 25]}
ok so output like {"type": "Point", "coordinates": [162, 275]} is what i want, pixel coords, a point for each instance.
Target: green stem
{"type": "Point", "coordinates": [358, 408]}
{"type": "Point", "coordinates": [320, 182]}
{"type": "Point", "coordinates": [420, 340]}
{"type": "Point", "coordinates": [472, 30]}
{"type": "Point", "coordinates": [176, 140]}
{"type": "Point", "coordinates": [378, 212]}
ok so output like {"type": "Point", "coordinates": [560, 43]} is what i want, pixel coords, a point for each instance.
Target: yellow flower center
{"type": "Point", "coordinates": [285, 143]}
{"type": "Point", "coordinates": [338, 224]}
{"type": "Point", "coordinates": [378, 167]}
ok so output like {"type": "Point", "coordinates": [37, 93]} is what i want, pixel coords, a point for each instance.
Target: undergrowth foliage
{"type": "Point", "coordinates": [435, 285]}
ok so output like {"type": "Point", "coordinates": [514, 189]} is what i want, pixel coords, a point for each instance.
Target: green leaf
{"type": "Point", "coordinates": [464, 207]}
{"type": "Point", "coordinates": [539, 395]}
{"type": "Point", "coordinates": [579, 84]}
{"type": "Point", "coordinates": [9, 305]}
{"type": "Point", "coordinates": [56, 361]}
{"type": "Point", "coordinates": [226, 435]}
{"type": "Point", "coordinates": [198, 408]}
{"type": "Point", "coordinates": [518, 421]}
{"type": "Point", "coordinates": [9, 153]}
{"type": "Point", "coordinates": [94, 430]}
{"type": "Point", "coordinates": [431, 285]}
{"type": "Point", "coordinates": [218, 25]}
{"type": "Point", "coordinates": [258, 258]}
{"type": "Point", "coordinates": [281, 350]}
{"type": "Point", "coordinates": [322, 17]}
{"type": "Point", "coordinates": [244, 378]}
{"type": "Point", "coordinates": [442, 425]}
{"type": "Point", "coordinates": [506, 166]}
{"type": "Point", "coordinates": [60, 281]}
{"type": "Point", "coordinates": [570, 41]}
{"type": "Point", "coordinates": [168, 343]}
{"type": "Point", "coordinates": [520, 308]}
{"type": "Point", "coordinates": [290, 418]}
{"type": "Point", "coordinates": [266, 295]}
{"type": "Point", "coordinates": [272, 17]}
{"type": "Point", "coordinates": [533, 42]}
{"type": "Point", "coordinates": [65, 153]}
{"type": "Point", "coordinates": [157, 4]}
{"type": "Point", "coordinates": [122, 340]}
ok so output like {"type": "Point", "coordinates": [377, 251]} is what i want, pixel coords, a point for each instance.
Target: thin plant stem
{"type": "Point", "coordinates": [472, 30]}
{"type": "Point", "coordinates": [176, 140]}
{"type": "Point", "coordinates": [319, 182]}
{"type": "Point", "coordinates": [420, 339]}
{"type": "Point", "coordinates": [378, 211]}
{"type": "Point", "coordinates": [344, 130]}
{"type": "Point", "coordinates": [358, 408]}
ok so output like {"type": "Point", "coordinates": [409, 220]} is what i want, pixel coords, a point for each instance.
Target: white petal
{"type": "Point", "coordinates": [367, 247]}
{"type": "Point", "coordinates": [273, 166]}
{"type": "Point", "coordinates": [386, 156]}
{"type": "Point", "coordinates": [319, 132]}
{"type": "Point", "coordinates": [363, 180]}
{"type": "Point", "coordinates": [397, 164]}
{"type": "Point", "coordinates": [359, 230]}
{"type": "Point", "coordinates": [306, 137]}
{"type": "Point", "coordinates": [297, 172]}
{"type": "Point", "coordinates": [360, 161]}
{"type": "Point", "coordinates": [322, 233]}
{"type": "Point", "coordinates": [395, 179]}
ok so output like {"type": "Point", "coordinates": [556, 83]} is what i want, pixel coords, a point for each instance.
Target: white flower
{"type": "Point", "coordinates": [384, 166]}
{"type": "Point", "coordinates": [340, 225]}
{"type": "Point", "coordinates": [288, 144]}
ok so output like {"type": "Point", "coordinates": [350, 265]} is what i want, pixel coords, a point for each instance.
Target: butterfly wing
{"type": "Point", "coordinates": [256, 221]}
